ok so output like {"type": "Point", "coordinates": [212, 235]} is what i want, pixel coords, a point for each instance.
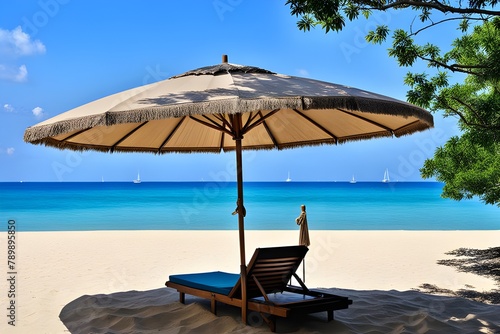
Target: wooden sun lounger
{"type": "Point", "coordinates": [268, 292]}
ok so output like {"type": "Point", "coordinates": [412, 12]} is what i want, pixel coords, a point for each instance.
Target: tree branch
{"type": "Point", "coordinates": [442, 21]}
{"type": "Point", "coordinates": [473, 111]}
{"type": "Point", "coordinates": [436, 5]}
{"type": "Point", "coordinates": [467, 69]}
{"type": "Point", "coordinates": [482, 124]}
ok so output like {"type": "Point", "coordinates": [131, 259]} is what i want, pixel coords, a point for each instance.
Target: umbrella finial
{"type": "Point", "coordinates": [224, 59]}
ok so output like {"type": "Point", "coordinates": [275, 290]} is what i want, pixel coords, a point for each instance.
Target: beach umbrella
{"type": "Point", "coordinates": [229, 107]}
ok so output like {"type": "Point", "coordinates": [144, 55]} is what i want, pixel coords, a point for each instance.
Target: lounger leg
{"type": "Point", "coordinates": [330, 315]}
{"type": "Point", "coordinates": [213, 305]}
{"type": "Point", "coordinates": [270, 321]}
{"type": "Point", "coordinates": [182, 297]}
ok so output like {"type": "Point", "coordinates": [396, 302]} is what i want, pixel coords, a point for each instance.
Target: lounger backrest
{"type": "Point", "coordinates": [273, 267]}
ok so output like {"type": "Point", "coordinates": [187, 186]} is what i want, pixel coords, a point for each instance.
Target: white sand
{"type": "Point", "coordinates": [113, 282]}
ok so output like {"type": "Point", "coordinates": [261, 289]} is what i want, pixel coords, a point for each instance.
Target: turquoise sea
{"type": "Point", "coordinates": [208, 206]}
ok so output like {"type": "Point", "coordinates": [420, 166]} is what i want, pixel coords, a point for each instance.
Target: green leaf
{"type": "Point", "coordinates": [425, 14]}
{"type": "Point", "coordinates": [403, 48]}
{"type": "Point", "coordinates": [352, 12]}
{"type": "Point", "coordinates": [379, 35]}
{"type": "Point", "coordinates": [305, 23]}
{"type": "Point", "coordinates": [464, 25]}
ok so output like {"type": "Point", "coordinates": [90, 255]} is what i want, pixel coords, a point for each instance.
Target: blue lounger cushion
{"type": "Point", "coordinates": [216, 281]}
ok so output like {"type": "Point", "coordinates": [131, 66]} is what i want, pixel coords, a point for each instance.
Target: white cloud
{"type": "Point", "coordinates": [10, 150]}
{"type": "Point", "coordinates": [14, 44]}
{"type": "Point", "coordinates": [38, 112]}
{"type": "Point", "coordinates": [14, 73]}
{"type": "Point", "coordinates": [8, 107]}
{"type": "Point", "coordinates": [18, 43]}
{"type": "Point", "coordinates": [22, 74]}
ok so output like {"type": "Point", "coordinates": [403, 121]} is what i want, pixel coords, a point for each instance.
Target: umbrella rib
{"type": "Point", "coordinates": [127, 135]}
{"type": "Point", "coordinates": [74, 134]}
{"type": "Point", "coordinates": [368, 120]}
{"type": "Point", "coordinates": [251, 117]}
{"type": "Point", "coordinates": [269, 132]}
{"type": "Point", "coordinates": [221, 118]}
{"type": "Point", "coordinates": [171, 133]}
{"type": "Point", "coordinates": [214, 125]}
{"type": "Point", "coordinates": [322, 128]}
{"type": "Point", "coordinates": [261, 120]}
{"type": "Point", "coordinates": [406, 126]}
{"type": "Point", "coordinates": [248, 125]}
{"type": "Point", "coordinates": [221, 145]}
{"type": "Point", "coordinates": [225, 123]}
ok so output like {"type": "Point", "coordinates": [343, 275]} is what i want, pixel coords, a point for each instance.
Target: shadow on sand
{"type": "Point", "coordinates": [158, 311]}
{"type": "Point", "coordinates": [483, 262]}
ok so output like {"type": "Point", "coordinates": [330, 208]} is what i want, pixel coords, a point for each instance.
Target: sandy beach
{"type": "Point", "coordinates": [113, 281]}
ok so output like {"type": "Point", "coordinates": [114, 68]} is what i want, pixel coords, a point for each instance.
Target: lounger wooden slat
{"type": "Point", "coordinates": [268, 291]}
{"type": "Point", "coordinates": [274, 269]}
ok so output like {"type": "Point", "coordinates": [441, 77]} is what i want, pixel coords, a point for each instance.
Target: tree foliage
{"type": "Point", "coordinates": [468, 164]}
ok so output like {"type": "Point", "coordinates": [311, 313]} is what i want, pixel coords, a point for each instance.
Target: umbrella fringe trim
{"type": "Point", "coordinates": [51, 142]}
{"type": "Point", "coordinates": [232, 106]}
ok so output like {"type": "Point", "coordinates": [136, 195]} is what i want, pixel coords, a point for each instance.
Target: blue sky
{"type": "Point", "coordinates": [58, 54]}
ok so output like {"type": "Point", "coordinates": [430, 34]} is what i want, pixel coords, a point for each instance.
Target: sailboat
{"type": "Point", "coordinates": [138, 180]}
{"type": "Point", "coordinates": [288, 179]}
{"type": "Point", "coordinates": [386, 178]}
{"type": "Point", "coordinates": [353, 180]}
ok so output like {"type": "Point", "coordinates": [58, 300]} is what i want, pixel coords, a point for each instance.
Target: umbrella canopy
{"type": "Point", "coordinates": [229, 107]}
{"type": "Point", "coordinates": [195, 112]}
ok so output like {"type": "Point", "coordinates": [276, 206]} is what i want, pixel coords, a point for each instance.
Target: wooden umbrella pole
{"type": "Point", "coordinates": [241, 215]}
